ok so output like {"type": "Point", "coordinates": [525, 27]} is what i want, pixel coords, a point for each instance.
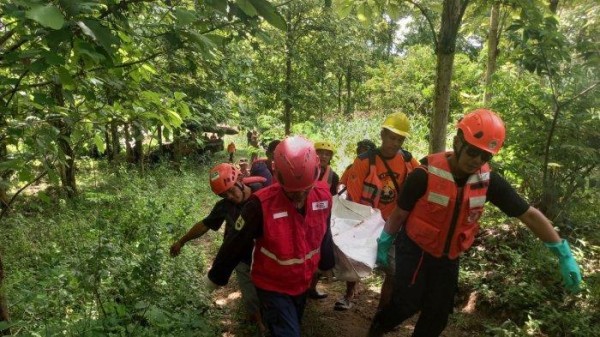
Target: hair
{"type": "Point", "coordinates": [366, 143]}
{"type": "Point", "coordinates": [272, 145]}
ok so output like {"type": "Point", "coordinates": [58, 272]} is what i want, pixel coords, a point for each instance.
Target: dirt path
{"type": "Point", "coordinates": [320, 320]}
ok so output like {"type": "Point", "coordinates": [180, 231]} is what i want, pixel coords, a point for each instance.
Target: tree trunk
{"type": "Point", "coordinates": [128, 149]}
{"type": "Point", "coordinates": [339, 93]}
{"type": "Point", "coordinates": [138, 147]}
{"type": "Point", "coordinates": [67, 169]}
{"type": "Point", "coordinates": [553, 6]}
{"type": "Point", "coordinates": [451, 19]}
{"type": "Point", "coordinates": [287, 100]}
{"type": "Point", "coordinates": [4, 317]}
{"type": "Point", "coordinates": [108, 150]}
{"type": "Point", "coordinates": [349, 105]}
{"type": "Point", "coordinates": [114, 136]}
{"type": "Point", "coordinates": [493, 38]}
{"type": "Point", "coordinates": [159, 135]}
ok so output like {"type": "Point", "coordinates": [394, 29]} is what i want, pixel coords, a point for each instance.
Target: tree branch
{"type": "Point", "coordinates": [582, 93]}
{"type": "Point", "coordinates": [5, 210]}
{"type": "Point", "coordinates": [423, 11]}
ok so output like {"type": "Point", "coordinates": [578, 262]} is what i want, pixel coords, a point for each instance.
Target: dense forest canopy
{"type": "Point", "coordinates": [115, 81]}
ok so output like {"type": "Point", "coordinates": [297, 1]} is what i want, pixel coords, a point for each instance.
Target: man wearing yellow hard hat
{"type": "Point", "coordinates": [375, 179]}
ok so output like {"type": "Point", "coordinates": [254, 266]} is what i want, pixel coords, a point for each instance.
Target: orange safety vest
{"type": "Point", "coordinates": [372, 185]}
{"type": "Point", "coordinates": [444, 221]}
{"type": "Point", "coordinates": [286, 256]}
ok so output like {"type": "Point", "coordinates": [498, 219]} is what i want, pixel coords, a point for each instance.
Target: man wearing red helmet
{"type": "Point", "coordinates": [286, 224]}
{"type": "Point", "coordinates": [226, 182]}
{"type": "Point", "coordinates": [436, 219]}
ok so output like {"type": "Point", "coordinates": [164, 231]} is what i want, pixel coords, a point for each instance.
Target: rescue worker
{"type": "Point", "coordinates": [325, 151]}
{"type": "Point", "coordinates": [231, 151]}
{"type": "Point", "coordinates": [259, 165]}
{"type": "Point", "coordinates": [225, 182]}
{"type": "Point", "coordinates": [437, 219]}
{"type": "Point", "coordinates": [375, 179]}
{"type": "Point", "coordinates": [286, 223]}
{"type": "Point", "coordinates": [361, 147]}
{"type": "Point", "coordinates": [244, 169]}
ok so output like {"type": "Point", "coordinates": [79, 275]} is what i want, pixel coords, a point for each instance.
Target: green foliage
{"type": "Point", "coordinates": [100, 264]}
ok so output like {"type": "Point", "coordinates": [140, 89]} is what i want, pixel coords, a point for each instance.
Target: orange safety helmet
{"type": "Point", "coordinates": [483, 129]}
{"type": "Point", "coordinates": [296, 164]}
{"type": "Point", "coordinates": [222, 177]}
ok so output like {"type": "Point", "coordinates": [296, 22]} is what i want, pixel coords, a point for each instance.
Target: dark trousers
{"type": "Point", "coordinates": [422, 283]}
{"type": "Point", "coordinates": [282, 313]}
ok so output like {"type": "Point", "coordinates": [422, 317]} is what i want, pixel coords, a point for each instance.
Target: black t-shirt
{"type": "Point", "coordinates": [228, 212]}
{"type": "Point", "coordinates": [499, 192]}
{"type": "Point", "coordinates": [243, 240]}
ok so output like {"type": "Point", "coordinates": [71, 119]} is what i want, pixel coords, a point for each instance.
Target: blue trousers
{"type": "Point", "coordinates": [282, 313]}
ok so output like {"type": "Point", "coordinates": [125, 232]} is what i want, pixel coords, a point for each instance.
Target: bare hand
{"type": "Point", "coordinates": [175, 249]}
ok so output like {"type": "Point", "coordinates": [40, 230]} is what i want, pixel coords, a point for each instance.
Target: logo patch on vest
{"type": "Point", "coordinates": [317, 205]}
{"type": "Point", "coordinates": [239, 224]}
{"type": "Point", "coordinates": [279, 215]}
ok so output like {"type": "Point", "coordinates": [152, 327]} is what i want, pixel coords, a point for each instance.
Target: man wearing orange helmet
{"type": "Point", "coordinates": [286, 224]}
{"type": "Point", "coordinates": [226, 182]}
{"type": "Point", "coordinates": [375, 179]}
{"type": "Point", "coordinates": [437, 219]}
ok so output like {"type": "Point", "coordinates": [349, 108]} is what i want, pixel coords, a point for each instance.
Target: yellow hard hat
{"type": "Point", "coordinates": [397, 123]}
{"type": "Point", "coordinates": [324, 145]}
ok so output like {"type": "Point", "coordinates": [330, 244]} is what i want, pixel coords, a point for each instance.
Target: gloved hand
{"type": "Point", "coordinates": [568, 266]}
{"type": "Point", "coordinates": [384, 242]}
{"type": "Point", "coordinates": [210, 285]}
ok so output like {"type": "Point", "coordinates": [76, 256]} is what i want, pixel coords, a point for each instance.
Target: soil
{"type": "Point", "coordinates": [321, 320]}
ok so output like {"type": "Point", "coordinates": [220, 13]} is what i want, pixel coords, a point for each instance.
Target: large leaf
{"type": "Point", "coordinates": [220, 5]}
{"type": "Point", "coordinates": [247, 7]}
{"type": "Point", "coordinates": [99, 142]}
{"type": "Point", "coordinates": [99, 33]}
{"type": "Point", "coordinates": [47, 16]}
{"type": "Point", "coordinates": [269, 13]}
{"type": "Point", "coordinates": [184, 17]}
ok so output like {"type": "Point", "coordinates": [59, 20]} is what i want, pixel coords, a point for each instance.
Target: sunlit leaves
{"type": "Point", "coordinates": [269, 13]}
{"type": "Point", "coordinates": [47, 16]}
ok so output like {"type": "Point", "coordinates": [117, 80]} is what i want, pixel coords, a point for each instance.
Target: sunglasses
{"type": "Point", "coordinates": [474, 152]}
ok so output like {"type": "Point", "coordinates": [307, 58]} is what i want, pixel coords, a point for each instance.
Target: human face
{"type": "Point", "coordinates": [234, 194]}
{"type": "Point", "coordinates": [391, 143]}
{"type": "Point", "coordinates": [324, 157]}
{"type": "Point", "coordinates": [298, 198]}
{"type": "Point", "coordinates": [470, 158]}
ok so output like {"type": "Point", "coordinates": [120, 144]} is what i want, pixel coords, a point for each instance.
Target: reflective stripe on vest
{"type": "Point", "coordinates": [287, 254]}
{"type": "Point", "coordinates": [289, 261]}
{"type": "Point", "coordinates": [444, 221]}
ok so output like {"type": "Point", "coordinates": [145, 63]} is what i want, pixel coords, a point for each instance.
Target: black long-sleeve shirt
{"type": "Point", "coordinates": [248, 228]}
{"type": "Point", "coordinates": [499, 192]}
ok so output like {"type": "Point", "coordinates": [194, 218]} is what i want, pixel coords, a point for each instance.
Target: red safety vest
{"type": "Point", "coordinates": [286, 256]}
{"type": "Point", "coordinates": [444, 221]}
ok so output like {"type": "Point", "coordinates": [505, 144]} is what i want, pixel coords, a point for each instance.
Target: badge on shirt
{"type": "Point", "coordinates": [317, 205]}
{"type": "Point", "coordinates": [239, 224]}
{"type": "Point", "coordinates": [279, 215]}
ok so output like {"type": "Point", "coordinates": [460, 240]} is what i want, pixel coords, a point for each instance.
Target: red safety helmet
{"type": "Point", "coordinates": [222, 177]}
{"type": "Point", "coordinates": [483, 129]}
{"type": "Point", "coordinates": [296, 164]}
